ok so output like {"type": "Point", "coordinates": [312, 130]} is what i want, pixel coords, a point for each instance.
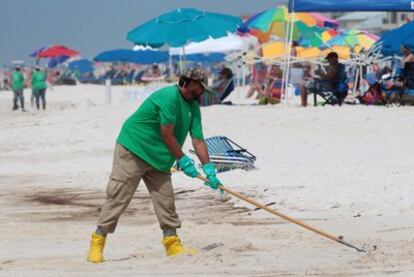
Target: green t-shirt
{"type": "Point", "coordinates": [38, 80]}
{"type": "Point", "coordinates": [141, 132]}
{"type": "Point", "coordinates": [17, 80]}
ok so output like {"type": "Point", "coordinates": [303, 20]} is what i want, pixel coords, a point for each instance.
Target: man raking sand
{"type": "Point", "coordinates": [147, 146]}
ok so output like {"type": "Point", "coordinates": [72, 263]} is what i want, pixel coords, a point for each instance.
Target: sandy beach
{"type": "Point", "coordinates": [346, 170]}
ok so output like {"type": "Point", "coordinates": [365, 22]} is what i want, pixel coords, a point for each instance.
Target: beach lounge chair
{"type": "Point", "coordinates": [227, 155]}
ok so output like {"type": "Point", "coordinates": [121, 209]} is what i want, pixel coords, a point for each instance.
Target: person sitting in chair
{"type": "Point", "coordinates": [403, 81]}
{"type": "Point", "coordinates": [259, 74]}
{"type": "Point", "coordinates": [222, 88]}
{"type": "Point", "coordinates": [273, 90]}
{"type": "Point", "coordinates": [407, 55]}
{"type": "Point", "coordinates": [333, 80]}
{"type": "Point", "coordinates": [224, 85]}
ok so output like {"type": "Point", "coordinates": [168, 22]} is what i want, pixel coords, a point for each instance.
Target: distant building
{"type": "Point", "coordinates": [373, 22]}
{"type": "Point", "coordinates": [368, 21]}
{"type": "Point", "coordinates": [394, 20]}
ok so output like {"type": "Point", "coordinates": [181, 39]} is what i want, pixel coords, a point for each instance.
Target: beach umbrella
{"type": "Point", "coordinates": [56, 51]}
{"type": "Point", "coordinates": [83, 66]}
{"type": "Point", "coordinates": [344, 52]}
{"type": "Point", "coordinates": [182, 26]}
{"type": "Point", "coordinates": [273, 49]}
{"type": "Point", "coordinates": [308, 52]}
{"type": "Point", "coordinates": [55, 61]}
{"type": "Point", "coordinates": [131, 56]}
{"type": "Point", "coordinates": [274, 22]}
{"type": "Point", "coordinates": [35, 53]}
{"type": "Point", "coordinates": [203, 58]}
{"type": "Point", "coordinates": [318, 39]}
{"type": "Point", "coordinates": [391, 41]}
{"type": "Point", "coordinates": [352, 38]}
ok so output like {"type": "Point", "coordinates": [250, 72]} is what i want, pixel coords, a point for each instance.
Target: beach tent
{"type": "Point", "coordinates": [131, 56]}
{"type": "Point", "coordinates": [350, 5]}
{"type": "Point", "coordinates": [224, 44]}
{"type": "Point", "coordinates": [295, 6]}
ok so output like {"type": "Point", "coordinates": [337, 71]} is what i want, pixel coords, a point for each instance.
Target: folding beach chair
{"type": "Point", "coordinates": [228, 89]}
{"type": "Point", "coordinates": [333, 93]}
{"type": "Point", "coordinates": [227, 155]}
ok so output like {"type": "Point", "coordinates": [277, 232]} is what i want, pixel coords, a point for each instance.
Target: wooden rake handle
{"type": "Point", "coordinates": [288, 218]}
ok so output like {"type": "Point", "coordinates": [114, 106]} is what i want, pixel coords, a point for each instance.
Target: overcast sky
{"type": "Point", "coordinates": [91, 26]}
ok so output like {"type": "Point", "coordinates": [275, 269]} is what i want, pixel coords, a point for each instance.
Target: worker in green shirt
{"type": "Point", "coordinates": [17, 84]}
{"type": "Point", "coordinates": [149, 143]}
{"type": "Point", "coordinates": [39, 87]}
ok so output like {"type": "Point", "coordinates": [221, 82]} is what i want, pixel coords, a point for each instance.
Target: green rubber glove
{"type": "Point", "coordinates": [187, 166]}
{"type": "Point", "coordinates": [210, 171]}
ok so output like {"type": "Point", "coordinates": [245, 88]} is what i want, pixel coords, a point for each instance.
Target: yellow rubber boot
{"type": "Point", "coordinates": [173, 246]}
{"type": "Point", "coordinates": [96, 248]}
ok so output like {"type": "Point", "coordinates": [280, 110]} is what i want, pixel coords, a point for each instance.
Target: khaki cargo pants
{"type": "Point", "coordinates": [127, 172]}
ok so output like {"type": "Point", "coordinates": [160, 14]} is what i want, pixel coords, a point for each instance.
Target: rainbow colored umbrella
{"type": "Point", "coordinates": [318, 38]}
{"type": "Point", "coordinates": [274, 22]}
{"type": "Point", "coordinates": [353, 38]}
{"type": "Point", "coordinates": [344, 52]}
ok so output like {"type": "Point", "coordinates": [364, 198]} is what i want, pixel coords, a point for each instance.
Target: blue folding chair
{"type": "Point", "coordinates": [226, 155]}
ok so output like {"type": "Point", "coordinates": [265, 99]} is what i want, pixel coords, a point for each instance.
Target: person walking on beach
{"type": "Point", "coordinates": [39, 87]}
{"type": "Point", "coordinates": [17, 84]}
{"type": "Point", "coordinates": [150, 141]}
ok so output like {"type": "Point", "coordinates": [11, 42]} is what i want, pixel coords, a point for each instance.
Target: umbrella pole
{"type": "Point", "coordinates": [181, 64]}
{"type": "Point", "coordinates": [284, 61]}
{"type": "Point", "coordinates": [361, 76]}
{"type": "Point", "coordinates": [170, 64]}
{"type": "Point", "coordinates": [289, 50]}
{"type": "Point", "coordinates": [183, 61]}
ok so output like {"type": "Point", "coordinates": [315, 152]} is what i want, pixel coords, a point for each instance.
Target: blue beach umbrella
{"type": "Point", "coordinates": [182, 26]}
{"type": "Point", "coordinates": [37, 51]}
{"type": "Point", "coordinates": [83, 66]}
{"type": "Point", "coordinates": [56, 61]}
{"type": "Point", "coordinates": [205, 58]}
{"type": "Point", "coordinates": [391, 41]}
{"type": "Point", "coordinates": [131, 56]}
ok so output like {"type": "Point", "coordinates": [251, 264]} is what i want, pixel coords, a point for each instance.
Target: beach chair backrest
{"type": "Point", "coordinates": [221, 145]}
{"type": "Point", "coordinates": [296, 75]}
{"type": "Point", "coordinates": [228, 89]}
{"type": "Point", "coordinates": [218, 146]}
